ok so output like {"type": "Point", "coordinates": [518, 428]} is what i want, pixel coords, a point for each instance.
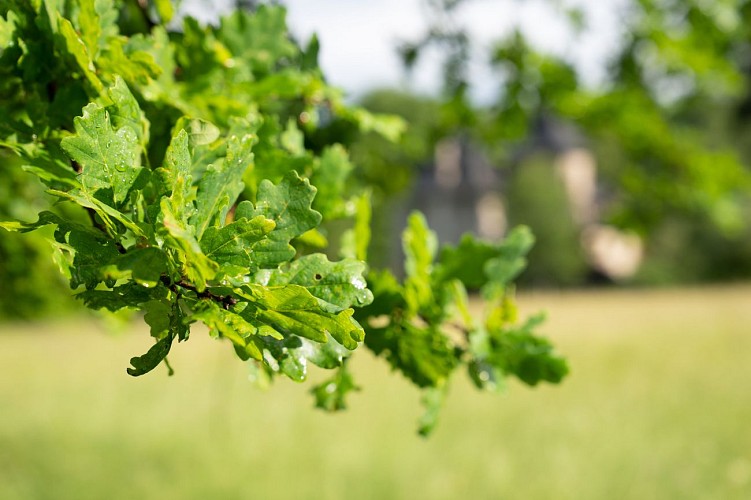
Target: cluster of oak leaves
{"type": "Point", "coordinates": [195, 179]}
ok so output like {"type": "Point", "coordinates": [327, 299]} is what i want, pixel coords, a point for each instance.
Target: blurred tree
{"type": "Point", "coordinates": [386, 165]}
{"type": "Point", "coordinates": [31, 285]}
{"type": "Point", "coordinates": [557, 258]}
{"type": "Point", "coordinates": [669, 125]}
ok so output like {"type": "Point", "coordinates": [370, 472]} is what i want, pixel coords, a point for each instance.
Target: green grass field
{"type": "Point", "coordinates": [658, 406]}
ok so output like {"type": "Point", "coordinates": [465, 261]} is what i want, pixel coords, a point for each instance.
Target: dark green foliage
{"type": "Point", "coordinates": [425, 329]}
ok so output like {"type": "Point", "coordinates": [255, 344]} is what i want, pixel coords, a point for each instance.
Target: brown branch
{"type": "Point", "coordinates": [227, 301]}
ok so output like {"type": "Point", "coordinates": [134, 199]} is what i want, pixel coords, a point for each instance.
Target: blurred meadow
{"type": "Point", "coordinates": [657, 406]}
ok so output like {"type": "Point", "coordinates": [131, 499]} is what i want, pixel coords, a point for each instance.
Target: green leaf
{"type": "Point", "coordinates": [157, 316]}
{"type": "Point", "coordinates": [282, 355]}
{"type": "Point", "coordinates": [330, 177]}
{"type": "Point", "coordinates": [109, 159]}
{"type": "Point", "coordinates": [46, 218]}
{"type": "Point", "coordinates": [507, 266]}
{"type": "Point", "coordinates": [259, 38]}
{"type": "Point", "coordinates": [292, 139]}
{"type": "Point", "coordinates": [175, 211]}
{"type": "Point", "coordinates": [458, 301]}
{"type": "Point", "coordinates": [466, 261]}
{"type": "Point", "coordinates": [291, 309]}
{"type": "Point", "coordinates": [289, 206]}
{"type": "Point", "coordinates": [485, 375]}
{"type": "Point", "coordinates": [198, 268]}
{"type": "Point", "coordinates": [165, 10]}
{"type": "Point", "coordinates": [165, 316]}
{"type": "Point", "coordinates": [391, 127]}
{"type": "Point", "coordinates": [331, 394]}
{"type": "Point", "coordinates": [150, 360]}
{"type": "Point", "coordinates": [517, 351]}
{"type": "Point", "coordinates": [315, 325]}
{"type": "Point", "coordinates": [338, 285]}
{"type": "Point", "coordinates": [388, 296]}
{"type": "Point", "coordinates": [124, 111]}
{"type": "Point", "coordinates": [234, 243]}
{"type": "Point", "coordinates": [52, 167]}
{"type": "Point", "coordinates": [97, 20]}
{"type": "Point", "coordinates": [310, 54]}
{"type": "Point", "coordinates": [200, 132]}
{"type": "Point", "coordinates": [294, 366]}
{"type": "Point", "coordinates": [145, 266]}
{"type": "Point", "coordinates": [313, 240]}
{"type": "Point", "coordinates": [234, 327]}
{"type": "Point", "coordinates": [129, 295]}
{"type": "Point", "coordinates": [108, 214]}
{"type": "Point", "coordinates": [77, 49]}
{"type": "Point", "coordinates": [92, 255]}
{"type": "Point", "coordinates": [432, 400]}
{"type": "Point", "coordinates": [7, 29]}
{"type": "Point", "coordinates": [124, 57]}
{"type": "Point", "coordinates": [420, 245]}
{"type": "Point", "coordinates": [328, 355]}
{"type": "Point", "coordinates": [221, 184]}
{"type": "Point", "coordinates": [422, 354]}
{"type": "Point", "coordinates": [355, 241]}
{"type": "Point", "coordinates": [175, 173]}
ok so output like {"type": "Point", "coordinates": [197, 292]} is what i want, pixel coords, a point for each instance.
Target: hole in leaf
{"type": "Point", "coordinates": [318, 276]}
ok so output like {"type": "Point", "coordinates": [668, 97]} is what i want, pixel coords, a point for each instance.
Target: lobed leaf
{"type": "Point", "coordinates": [145, 266]}
{"type": "Point", "coordinates": [200, 132]}
{"type": "Point", "coordinates": [176, 175]}
{"type": "Point", "coordinates": [337, 285]}
{"type": "Point", "coordinates": [420, 245]}
{"type": "Point", "coordinates": [129, 295]}
{"type": "Point", "coordinates": [330, 395]}
{"type": "Point", "coordinates": [466, 261]}
{"type": "Point", "coordinates": [288, 205]}
{"type": "Point", "coordinates": [422, 354]}
{"type": "Point", "coordinates": [221, 184]}
{"type": "Point", "coordinates": [227, 324]}
{"type": "Point", "coordinates": [330, 177]}
{"type": "Point", "coordinates": [97, 20]}
{"type": "Point", "coordinates": [166, 317]}
{"type": "Point", "coordinates": [150, 360]}
{"type": "Point", "coordinates": [292, 310]}
{"type": "Point", "coordinates": [261, 38]}
{"type": "Point", "coordinates": [355, 241]}
{"type": "Point", "coordinates": [75, 47]}
{"type": "Point", "coordinates": [195, 265]}
{"type": "Point", "coordinates": [432, 401]}
{"type": "Point", "coordinates": [109, 159]}
{"type": "Point", "coordinates": [512, 260]}
{"type": "Point", "coordinates": [92, 254]}
{"type": "Point", "coordinates": [234, 243]}
{"type": "Point", "coordinates": [124, 111]}
{"type": "Point", "coordinates": [7, 29]}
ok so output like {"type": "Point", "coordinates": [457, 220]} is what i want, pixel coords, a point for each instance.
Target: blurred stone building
{"type": "Point", "coordinates": [463, 192]}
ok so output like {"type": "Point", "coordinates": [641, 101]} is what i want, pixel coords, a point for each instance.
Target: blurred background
{"type": "Point", "coordinates": [618, 131]}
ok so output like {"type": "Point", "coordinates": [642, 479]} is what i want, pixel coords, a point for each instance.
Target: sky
{"type": "Point", "coordinates": [359, 38]}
